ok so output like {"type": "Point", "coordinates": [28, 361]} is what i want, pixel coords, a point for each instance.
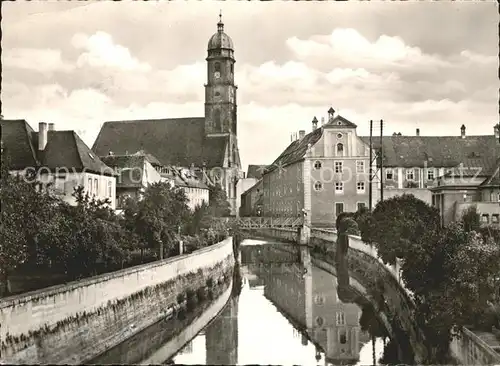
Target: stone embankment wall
{"type": "Point", "coordinates": [77, 321]}
{"type": "Point", "coordinates": [468, 348]}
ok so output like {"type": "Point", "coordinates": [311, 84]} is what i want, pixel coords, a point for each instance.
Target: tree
{"type": "Point", "coordinates": [398, 224]}
{"type": "Point", "coordinates": [219, 206]}
{"type": "Point", "coordinates": [160, 214]}
{"type": "Point", "coordinates": [365, 221]}
{"type": "Point", "coordinates": [451, 273]}
{"type": "Point", "coordinates": [470, 219]}
{"type": "Point", "coordinates": [24, 213]}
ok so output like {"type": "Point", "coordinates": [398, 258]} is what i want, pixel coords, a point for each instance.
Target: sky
{"type": "Point", "coordinates": [426, 65]}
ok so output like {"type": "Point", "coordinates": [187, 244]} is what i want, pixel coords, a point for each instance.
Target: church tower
{"type": "Point", "coordinates": [220, 91]}
{"type": "Point", "coordinates": [220, 108]}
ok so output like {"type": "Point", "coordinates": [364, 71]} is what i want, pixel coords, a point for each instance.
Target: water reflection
{"type": "Point", "coordinates": [281, 309]}
{"type": "Point", "coordinates": [286, 313]}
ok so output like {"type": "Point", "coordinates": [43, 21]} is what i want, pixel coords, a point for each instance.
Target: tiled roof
{"type": "Point", "coordinates": [151, 158]}
{"type": "Point", "coordinates": [255, 171]}
{"type": "Point", "coordinates": [18, 145]}
{"type": "Point", "coordinates": [187, 180]}
{"type": "Point", "coordinates": [437, 151]}
{"type": "Point", "coordinates": [296, 150]}
{"type": "Point", "coordinates": [130, 168]}
{"type": "Point", "coordinates": [178, 141]}
{"type": "Point", "coordinates": [494, 178]}
{"type": "Point", "coordinates": [64, 149]}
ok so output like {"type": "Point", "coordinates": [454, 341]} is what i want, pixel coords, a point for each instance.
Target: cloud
{"type": "Point", "coordinates": [40, 60]}
{"type": "Point", "coordinates": [101, 51]}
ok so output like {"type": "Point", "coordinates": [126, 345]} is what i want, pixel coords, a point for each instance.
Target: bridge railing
{"type": "Point", "coordinates": [261, 222]}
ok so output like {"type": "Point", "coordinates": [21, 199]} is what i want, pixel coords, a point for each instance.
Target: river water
{"type": "Point", "coordinates": [282, 313]}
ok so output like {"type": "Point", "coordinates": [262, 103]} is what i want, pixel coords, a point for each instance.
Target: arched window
{"type": "Point", "coordinates": [217, 67]}
{"type": "Point", "coordinates": [340, 149]}
{"type": "Point", "coordinates": [217, 122]}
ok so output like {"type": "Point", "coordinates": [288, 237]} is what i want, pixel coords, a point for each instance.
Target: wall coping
{"type": "Point", "coordinates": [57, 289]}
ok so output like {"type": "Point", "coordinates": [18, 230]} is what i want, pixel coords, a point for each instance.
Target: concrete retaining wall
{"type": "Point", "coordinates": [74, 322]}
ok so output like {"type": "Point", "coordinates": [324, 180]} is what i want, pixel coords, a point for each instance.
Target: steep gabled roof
{"type": "Point", "coordinates": [296, 150]}
{"type": "Point", "coordinates": [437, 151]}
{"type": "Point", "coordinates": [65, 150]}
{"type": "Point", "coordinates": [255, 171]}
{"type": "Point", "coordinates": [176, 141]}
{"type": "Point", "coordinates": [18, 145]}
{"type": "Point", "coordinates": [494, 179]}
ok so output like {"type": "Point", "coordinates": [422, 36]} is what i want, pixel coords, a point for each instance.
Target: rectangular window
{"type": "Point", "coordinates": [339, 167]}
{"type": "Point", "coordinates": [485, 218]}
{"type": "Point", "coordinates": [89, 188]}
{"type": "Point", "coordinates": [410, 174]}
{"type": "Point", "coordinates": [339, 208]}
{"type": "Point", "coordinates": [340, 318]}
{"type": "Point", "coordinates": [360, 166]}
{"type": "Point", "coordinates": [96, 187]}
{"type": "Point", "coordinates": [494, 219]}
{"type": "Point", "coordinates": [110, 189]}
{"type": "Point", "coordinates": [389, 174]}
{"type": "Point", "coordinates": [360, 187]}
{"type": "Point", "coordinates": [339, 187]}
{"type": "Point", "coordinates": [430, 173]}
{"type": "Point", "coordinates": [360, 205]}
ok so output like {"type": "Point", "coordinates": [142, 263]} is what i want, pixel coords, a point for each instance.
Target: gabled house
{"type": "Point", "coordinates": [196, 189]}
{"type": "Point", "coordinates": [323, 173]}
{"type": "Point", "coordinates": [60, 160]}
{"type": "Point", "coordinates": [135, 173]}
{"type": "Point", "coordinates": [326, 172]}
{"type": "Point", "coordinates": [477, 183]}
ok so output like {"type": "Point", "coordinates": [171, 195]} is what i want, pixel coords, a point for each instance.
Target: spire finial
{"type": "Point", "coordinates": [220, 25]}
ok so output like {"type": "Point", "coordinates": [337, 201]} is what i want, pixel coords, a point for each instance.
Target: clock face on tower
{"type": "Point", "coordinates": [217, 74]}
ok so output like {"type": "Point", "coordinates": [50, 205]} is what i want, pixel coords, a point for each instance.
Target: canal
{"type": "Point", "coordinates": [277, 310]}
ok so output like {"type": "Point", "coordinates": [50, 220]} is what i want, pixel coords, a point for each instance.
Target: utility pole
{"type": "Point", "coordinates": [379, 164]}
{"type": "Point", "coordinates": [381, 160]}
{"type": "Point", "coordinates": [370, 173]}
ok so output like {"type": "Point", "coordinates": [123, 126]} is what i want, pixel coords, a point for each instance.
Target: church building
{"type": "Point", "coordinates": [206, 144]}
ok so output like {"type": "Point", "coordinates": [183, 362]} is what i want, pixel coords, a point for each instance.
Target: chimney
{"type": "Point", "coordinates": [496, 130]}
{"type": "Point", "coordinates": [331, 113]}
{"type": "Point", "coordinates": [315, 123]}
{"type": "Point", "coordinates": [42, 135]}
{"type": "Point", "coordinates": [462, 131]}
{"type": "Point", "coordinates": [418, 131]}
{"type": "Point", "coordinates": [51, 127]}
{"type": "Point", "coordinates": [322, 121]}
{"type": "Point", "coordinates": [302, 133]}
